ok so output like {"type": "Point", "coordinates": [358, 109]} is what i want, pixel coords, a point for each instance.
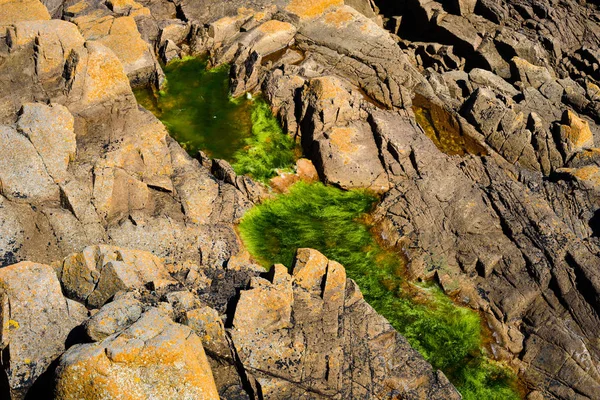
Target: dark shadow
{"type": "Point", "coordinates": [594, 223]}
{"type": "Point", "coordinates": [43, 387]}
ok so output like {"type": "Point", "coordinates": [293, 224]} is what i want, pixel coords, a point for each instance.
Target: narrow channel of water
{"type": "Point", "coordinates": [199, 113]}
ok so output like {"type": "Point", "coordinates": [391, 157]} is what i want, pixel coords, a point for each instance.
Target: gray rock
{"type": "Point", "coordinates": [37, 320]}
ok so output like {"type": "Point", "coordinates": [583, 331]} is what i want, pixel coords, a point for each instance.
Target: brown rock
{"type": "Point", "coordinates": [331, 346]}
{"type": "Point", "coordinates": [98, 272]}
{"type": "Point", "coordinates": [22, 10]}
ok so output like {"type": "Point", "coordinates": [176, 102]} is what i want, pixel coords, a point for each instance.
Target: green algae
{"type": "Point", "coordinates": [333, 222]}
{"type": "Point", "coordinates": [199, 113]}
{"type": "Point", "coordinates": [268, 149]}
{"type": "Point", "coordinates": [197, 110]}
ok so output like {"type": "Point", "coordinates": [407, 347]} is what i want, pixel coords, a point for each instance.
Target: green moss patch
{"type": "Point", "coordinates": [333, 222]}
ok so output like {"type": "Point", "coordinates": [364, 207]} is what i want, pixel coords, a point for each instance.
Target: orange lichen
{"type": "Point", "coordinates": [342, 139]}
{"type": "Point", "coordinates": [339, 18]}
{"type": "Point", "coordinates": [325, 88]}
{"type": "Point", "coordinates": [274, 26]}
{"type": "Point", "coordinates": [312, 8]}
{"type": "Point", "coordinates": [578, 130]}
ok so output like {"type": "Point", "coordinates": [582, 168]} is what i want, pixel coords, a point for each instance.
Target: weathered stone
{"type": "Point", "coordinates": [23, 175]}
{"type": "Point", "coordinates": [50, 130]}
{"type": "Point", "coordinates": [123, 38]}
{"type": "Point", "coordinates": [154, 358]}
{"type": "Point", "coordinates": [22, 10]}
{"type": "Point", "coordinates": [209, 327]}
{"type": "Point", "coordinates": [575, 134]}
{"type": "Point", "coordinates": [114, 317]}
{"type": "Point", "coordinates": [319, 348]}
{"type": "Point", "coordinates": [96, 274]}
{"type": "Point", "coordinates": [36, 321]}
{"type": "Point", "coordinates": [529, 74]}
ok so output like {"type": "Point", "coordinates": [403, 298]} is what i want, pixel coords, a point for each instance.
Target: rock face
{"type": "Point", "coordinates": [154, 357]}
{"type": "Point", "coordinates": [508, 223]}
{"type": "Point", "coordinates": [36, 323]}
{"type": "Point", "coordinates": [312, 332]}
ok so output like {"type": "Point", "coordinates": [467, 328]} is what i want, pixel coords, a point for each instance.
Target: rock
{"type": "Point", "coordinates": [50, 130]}
{"type": "Point", "coordinates": [209, 327]}
{"type": "Point", "coordinates": [575, 134]}
{"type": "Point", "coordinates": [529, 74]}
{"type": "Point", "coordinates": [98, 272]}
{"type": "Point", "coordinates": [466, 7]}
{"type": "Point", "coordinates": [22, 10]}
{"type": "Point", "coordinates": [318, 350]}
{"type": "Point", "coordinates": [340, 142]}
{"type": "Point", "coordinates": [114, 317]}
{"type": "Point", "coordinates": [23, 175]}
{"type": "Point", "coordinates": [36, 322]}
{"type": "Point", "coordinates": [154, 357]}
{"type": "Point", "coordinates": [488, 79]}
{"type": "Point", "coordinates": [123, 38]}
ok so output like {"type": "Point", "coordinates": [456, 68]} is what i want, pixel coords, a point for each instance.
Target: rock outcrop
{"type": "Point", "coordinates": [494, 193]}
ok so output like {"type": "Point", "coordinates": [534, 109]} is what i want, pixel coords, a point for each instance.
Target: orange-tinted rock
{"type": "Point", "coordinates": [153, 358]}
{"type": "Point", "coordinates": [22, 10]}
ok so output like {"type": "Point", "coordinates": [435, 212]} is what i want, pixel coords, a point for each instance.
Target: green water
{"type": "Point", "coordinates": [333, 222]}
{"type": "Point", "coordinates": [196, 108]}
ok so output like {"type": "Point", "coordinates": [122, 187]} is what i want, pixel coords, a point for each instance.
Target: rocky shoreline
{"type": "Point", "coordinates": [499, 204]}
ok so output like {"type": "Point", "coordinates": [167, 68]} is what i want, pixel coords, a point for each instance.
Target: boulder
{"type": "Point", "coordinates": [36, 322]}
{"type": "Point", "coordinates": [121, 35]}
{"type": "Point", "coordinates": [22, 10]}
{"type": "Point", "coordinates": [99, 272]}
{"type": "Point", "coordinates": [114, 317]}
{"type": "Point", "coordinates": [23, 175]}
{"type": "Point", "coordinates": [153, 358]}
{"type": "Point", "coordinates": [50, 130]}
{"type": "Point", "coordinates": [529, 74]}
{"type": "Point", "coordinates": [337, 137]}
{"type": "Point", "coordinates": [575, 134]}
{"type": "Point", "coordinates": [311, 333]}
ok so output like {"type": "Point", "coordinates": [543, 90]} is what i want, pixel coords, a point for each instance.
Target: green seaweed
{"type": "Point", "coordinates": [268, 149]}
{"type": "Point", "coordinates": [333, 222]}
{"type": "Point", "coordinates": [196, 108]}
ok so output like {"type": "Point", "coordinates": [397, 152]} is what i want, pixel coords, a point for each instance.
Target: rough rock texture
{"type": "Point", "coordinates": [311, 334]}
{"type": "Point", "coordinates": [36, 323]}
{"type": "Point", "coordinates": [154, 357]}
{"type": "Point", "coordinates": [95, 168]}
{"type": "Point", "coordinates": [508, 223]}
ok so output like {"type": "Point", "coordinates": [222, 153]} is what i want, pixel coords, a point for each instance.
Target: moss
{"type": "Point", "coordinates": [267, 149]}
{"type": "Point", "coordinates": [332, 221]}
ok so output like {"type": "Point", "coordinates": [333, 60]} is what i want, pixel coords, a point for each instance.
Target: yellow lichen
{"type": "Point", "coordinates": [339, 18]}
{"type": "Point", "coordinates": [312, 8]}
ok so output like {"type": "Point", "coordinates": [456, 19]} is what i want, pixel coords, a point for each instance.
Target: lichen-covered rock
{"type": "Point", "coordinates": [114, 317]}
{"type": "Point", "coordinates": [50, 130]}
{"type": "Point", "coordinates": [98, 272]}
{"type": "Point", "coordinates": [22, 10]}
{"type": "Point", "coordinates": [153, 358]}
{"type": "Point", "coordinates": [121, 35]}
{"type": "Point", "coordinates": [23, 175]}
{"type": "Point", "coordinates": [36, 321]}
{"type": "Point", "coordinates": [312, 332]}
